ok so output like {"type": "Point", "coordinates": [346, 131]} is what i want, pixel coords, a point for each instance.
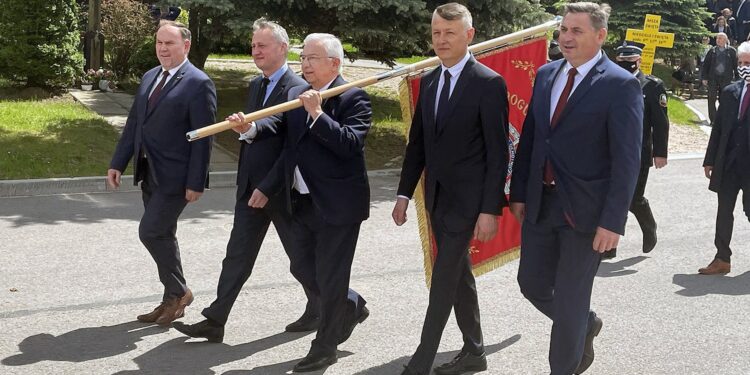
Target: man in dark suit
{"type": "Point", "coordinates": [254, 210]}
{"type": "Point", "coordinates": [655, 139]}
{"type": "Point", "coordinates": [727, 161]}
{"type": "Point", "coordinates": [322, 174]}
{"type": "Point", "coordinates": [458, 138]}
{"type": "Point", "coordinates": [172, 99]}
{"type": "Point", "coordinates": [573, 179]}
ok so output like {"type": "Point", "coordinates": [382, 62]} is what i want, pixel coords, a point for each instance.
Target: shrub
{"type": "Point", "coordinates": [39, 43]}
{"type": "Point", "coordinates": [125, 24]}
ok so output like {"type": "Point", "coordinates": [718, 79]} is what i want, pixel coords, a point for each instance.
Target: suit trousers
{"type": "Point", "coordinates": [321, 261]}
{"type": "Point", "coordinates": [715, 85]}
{"type": "Point", "coordinates": [639, 206]}
{"type": "Point", "coordinates": [249, 230]}
{"type": "Point", "coordinates": [556, 274]}
{"type": "Point", "coordinates": [157, 232]}
{"type": "Point", "coordinates": [452, 287]}
{"type": "Point", "coordinates": [731, 183]}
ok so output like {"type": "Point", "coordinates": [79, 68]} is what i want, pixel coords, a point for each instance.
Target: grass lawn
{"type": "Point", "coordinates": [680, 114]}
{"type": "Point", "coordinates": [385, 141]}
{"type": "Point", "coordinates": [411, 60]}
{"type": "Point", "coordinates": [53, 138]}
{"type": "Point", "coordinates": [291, 56]}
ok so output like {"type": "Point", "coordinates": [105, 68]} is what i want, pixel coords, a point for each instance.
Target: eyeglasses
{"type": "Point", "coordinates": [312, 59]}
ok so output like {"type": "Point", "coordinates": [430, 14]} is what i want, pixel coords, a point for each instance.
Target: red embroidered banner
{"type": "Point", "coordinates": [518, 64]}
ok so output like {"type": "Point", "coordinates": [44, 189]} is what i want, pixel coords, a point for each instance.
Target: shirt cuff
{"type": "Point", "coordinates": [403, 196]}
{"type": "Point", "coordinates": [316, 119]}
{"type": "Point", "coordinates": [249, 135]}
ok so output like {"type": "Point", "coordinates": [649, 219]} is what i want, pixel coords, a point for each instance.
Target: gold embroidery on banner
{"type": "Point", "coordinates": [527, 66]}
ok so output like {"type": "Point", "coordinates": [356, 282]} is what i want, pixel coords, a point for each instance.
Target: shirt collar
{"type": "Point", "coordinates": [174, 70]}
{"type": "Point", "coordinates": [584, 69]}
{"type": "Point", "coordinates": [324, 88]}
{"type": "Point", "coordinates": [455, 70]}
{"type": "Point", "coordinates": [275, 76]}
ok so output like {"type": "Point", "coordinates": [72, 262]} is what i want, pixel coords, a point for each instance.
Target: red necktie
{"type": "Point", "coordinates": [745, 102]}
{"type": "Point", "coordinates": [157, 90]}
{"type": "Point", "coordinates": [549, 175]}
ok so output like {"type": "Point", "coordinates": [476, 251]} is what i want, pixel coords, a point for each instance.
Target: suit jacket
{"type": "Point", "coordinates": [258, 158]}
{"type": "Point", "coordinates": [655, 119]}
{"type": "Point", "coordinates": [594, 150]}
{"type": "Point", "coordinates": [468, 156]}
{"type": "Point", "coordinates": [730, 71]}
{"type": "Point", "coordinates": [330, 155]}
{"type": "Point", "coordinates": [716, 152]}
{"type": "Point", "coordinates": [742, 15]}
{"type": "Point", "coordinates": [187, 102]}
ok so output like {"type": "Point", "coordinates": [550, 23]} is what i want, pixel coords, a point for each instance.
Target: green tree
{"type": "Point", "coordinates": [126, 25]}
{"type": "Point", "coordinates": [39, 42]}
{"type": "Point", "coordinates": [379, 29]}
{"type": "Point", "coordinates": [684, 18]}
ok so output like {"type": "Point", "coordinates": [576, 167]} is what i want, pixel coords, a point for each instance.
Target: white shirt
{"type": "Point", "coordinates": [172, 73]}
{"type": "Point", "coordinates": [455, 71]}
{"type": "Point", "coordinates": [299, 182]}
{"type": "Point", "coordinates": [562, 78]}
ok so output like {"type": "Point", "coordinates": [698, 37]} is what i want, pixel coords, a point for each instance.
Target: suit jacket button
{"type": "Point", "coordinates": [546, 141]}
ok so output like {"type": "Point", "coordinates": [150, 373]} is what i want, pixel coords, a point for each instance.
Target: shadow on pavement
{"type": "Point", "coordinates": [697, 285]}
{"type": "Point", "coordinates": [178, 357]}
{"type": "Point", "coordinates": [620, 267]}
{"type": "Point", "coordinates": [282, 368]}
{"type": "Point", "coordinates": [83, 344]}
{"type": "Point", "coordinates": [397, 365]}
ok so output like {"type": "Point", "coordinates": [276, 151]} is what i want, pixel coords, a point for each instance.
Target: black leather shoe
{"type": "Point", "coordinates": [464, 362]}
{"type": "Point", "coordinates": [203, 329]}
{"type": "Point", "coordinates": [315, 362]}
{"type": "Point", "coordinates": [348, 329]}
{"type": "Point", "coordinates": [305, 323]}
{"type": "Point", "coordinates": [609, 254]}
{"type": "Point", "coordinates": [588, 349]}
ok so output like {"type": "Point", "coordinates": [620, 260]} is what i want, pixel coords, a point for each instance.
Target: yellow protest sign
{"type": "Point", "coordinates": [652, 38]}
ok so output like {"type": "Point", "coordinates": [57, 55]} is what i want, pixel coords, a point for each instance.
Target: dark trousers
{"type": "Point", "coordinates": [249, 230]}
{"type": "Point", "coordinates": [556, 274]}
{"type": "Point", "coordinates": [157, 232]}
{"type": "Point", "coordinates": [321, 261]}
{"type": "Point", "coordinates": [731, 184]}
{"type": "Point", "coordinates": [639, 206]}
{"type": "Point", "coordinates": [452, 286]}
{"type": "Point", "coordinates": [715, 86]}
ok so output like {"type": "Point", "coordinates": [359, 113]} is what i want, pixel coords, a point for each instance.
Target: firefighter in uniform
{"type": "Point", "coordinates": [655, 138]}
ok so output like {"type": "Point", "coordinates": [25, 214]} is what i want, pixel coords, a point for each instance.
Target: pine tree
{"type": "Point", "coordinates": [684, 18]}
{"type": "Point", "coordinates": [378, 29]}
{"type": "Point", "coordinates": [39, 45]}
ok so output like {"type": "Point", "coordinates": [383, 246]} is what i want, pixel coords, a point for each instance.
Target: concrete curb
{"type": "Point", "coordinates": [704, 125]}
{"type": "Point", "coordinates": [97, 184]}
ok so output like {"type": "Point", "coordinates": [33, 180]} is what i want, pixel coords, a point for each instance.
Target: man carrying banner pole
{"type": "Point", "coordinates": [573, 179]}
{"type": "Point", "coordinates": [458, 137]}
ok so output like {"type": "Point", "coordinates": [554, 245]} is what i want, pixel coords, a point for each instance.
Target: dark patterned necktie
{"type": "Point", "coordinates": [157, 91]}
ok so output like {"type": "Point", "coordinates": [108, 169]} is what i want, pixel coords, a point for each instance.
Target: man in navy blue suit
{"type": "Point", "coordinates": [254, 211]}
{"type": "Point", "coordinates": [173, 98]}
{"type": "Point", "coordinates": [322, 175]}
{"type": "Point", "coordinates": [573, 179]}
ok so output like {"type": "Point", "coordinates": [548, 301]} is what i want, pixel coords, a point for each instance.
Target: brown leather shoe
{"type": "Point", "coordinates": [152, 316]}
{"type": "Point", "coordinates": [716, 267]}
{"type": "Point", "coordinates": [174, 308]}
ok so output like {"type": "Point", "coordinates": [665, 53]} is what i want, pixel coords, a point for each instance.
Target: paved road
{"type": "Point", "coordinates": [73, 277]}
